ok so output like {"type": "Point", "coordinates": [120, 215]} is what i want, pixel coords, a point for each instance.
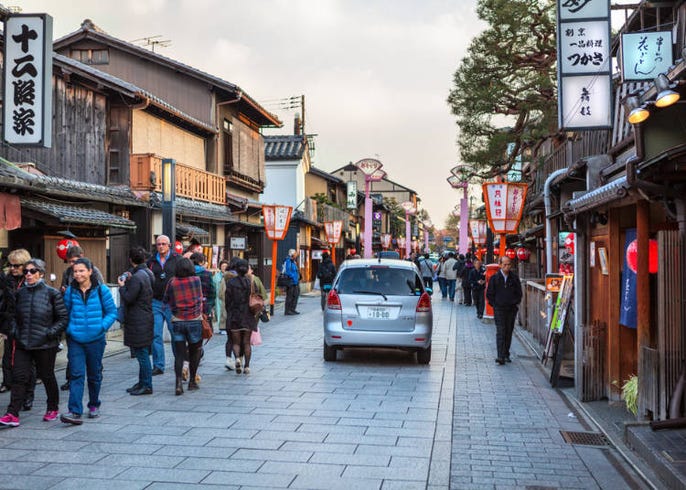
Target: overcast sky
{"type": "Point", "coordinates": [375, 73]}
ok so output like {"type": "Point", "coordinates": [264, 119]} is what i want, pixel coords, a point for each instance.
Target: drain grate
{"type": "Point", "coordinates": [584, 438]}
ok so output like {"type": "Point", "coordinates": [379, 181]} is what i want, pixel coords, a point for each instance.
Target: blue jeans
{"type": "Point", "coordinates": [84, 360]}
{"type": "Point", "coordinates": [162, 314]}
{"type": "Point", "coordinates": [451, 288]}
{"type": "Point", "coordinates": [444, 287]}
{"type": "Point", "coordinates": [144, 367]}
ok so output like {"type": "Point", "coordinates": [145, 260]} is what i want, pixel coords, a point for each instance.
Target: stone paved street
{"type": "Point", "coordinates": [373, 419]}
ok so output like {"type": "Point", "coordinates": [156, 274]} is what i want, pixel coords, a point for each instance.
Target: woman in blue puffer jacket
{"type": "Point", "coordinates": [91, 313]}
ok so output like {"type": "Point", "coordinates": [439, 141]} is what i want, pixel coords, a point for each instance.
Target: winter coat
{"type": "Point", "coordinates": [238, 315]}
{"type": "Point", "coordinates": [41, 317]}
{"type": "Point", "coordinates": [136, 298]}
{"type": "Point", "coordinates": [468, 268]}
{"type": "Point", "coordinates": [290, 268]}
{"type": "Point", "coordinates": [449, 268]}
{"type": "Point", "coordinates": [326, 272]}
{"type": "Point", "coordinates": [162, 274]}
{"type": "Point", "coordinates": [90, 314]}
{"type": "Point", "coordinates": [7, 302]}
{"type": "Point", "coordinates": [476, 275]}
{"type": "Point", "coordinates": [501, 294]}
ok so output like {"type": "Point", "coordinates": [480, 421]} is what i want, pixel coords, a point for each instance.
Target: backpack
{"type": "Point", "coordinates": [327, 273]}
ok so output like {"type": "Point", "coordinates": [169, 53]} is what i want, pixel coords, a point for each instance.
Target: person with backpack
{"type": "Point", "coordinates": [91, 314]}
{"type": "Point", "coordinates": [135, 292]}
{"type": "Point", "coordinates": [426, 270]}
{"type": "Point", "coordinates": [326, 275]}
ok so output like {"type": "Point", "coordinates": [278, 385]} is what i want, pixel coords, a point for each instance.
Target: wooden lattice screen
{"type": "Point", "coordinates": [595, 346]}
{"type": "Point", "coordinates": [671, 315]}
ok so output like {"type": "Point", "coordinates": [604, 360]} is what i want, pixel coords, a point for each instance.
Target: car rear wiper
{"type": "Point", "coordinates": [371, 292]}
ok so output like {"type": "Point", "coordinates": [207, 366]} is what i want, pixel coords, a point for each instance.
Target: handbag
{"type": "Point", "coordinates": [283, 281]}
{"type": "Point", "coordinates": [207, 330]}
{"type": "Point", "coordinates": [255, 302]}
{"type": "Point", "coordinates": [264, 316]}
{"type": "Point", "coordinates": [256, 337]}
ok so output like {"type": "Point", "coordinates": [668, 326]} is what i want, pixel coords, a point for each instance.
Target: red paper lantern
{"type": "Point", "coordinates": [63, 246]}
{"type": "Point", "coordinates": [496, 251]}
{"type": "Point", "coordinates": [523, 253]}
{"type": "Point", "coordinates": [510, 253]}
{"type": "Point", "coordinates": [178, 247]}
{"type": "Point", "coordinates": [632, 256]}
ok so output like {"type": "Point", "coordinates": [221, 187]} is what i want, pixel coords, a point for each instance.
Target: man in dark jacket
{"type": "Point", "coordinates": [477, 284]}
{"type": "Point", "coordinates": [135, 292]}
{"type": "Point", "coordinates": [326, 275]}
{"type": "Point", "coordinates": [163, 266]}
{"type": "Point", "coordinates": [504, 293]}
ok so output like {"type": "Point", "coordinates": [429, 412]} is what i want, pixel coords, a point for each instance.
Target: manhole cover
{"type": "Point", "coordinates": [584, 438]}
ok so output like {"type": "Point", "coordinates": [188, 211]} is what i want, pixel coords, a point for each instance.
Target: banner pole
{"type": "Point", "coordinates": [273, 291]}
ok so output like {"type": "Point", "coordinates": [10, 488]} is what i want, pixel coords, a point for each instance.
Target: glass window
{"type": "Point", "coordinates": [386, 280]}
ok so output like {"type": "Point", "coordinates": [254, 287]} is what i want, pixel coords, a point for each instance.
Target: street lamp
{"type": "Point", "coordinates": [504, 206]}
{"type": "Point", "coordinates": [276, 220]}
{"type": "Point", "coordinates": [410, 209]}
{"type": "Point", "coordinates": [169, 198]}
{"type": "Point", "coordinates": [371, 169]}
{"type": "Point", "coordinates": [333, 235]}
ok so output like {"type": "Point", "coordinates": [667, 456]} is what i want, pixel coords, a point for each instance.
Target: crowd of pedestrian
{"type": "Point", "coordinates": [159, 288]}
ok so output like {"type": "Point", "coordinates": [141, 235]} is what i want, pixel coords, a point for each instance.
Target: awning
{"type": "Point", "coordinates": [319, 242]}
{"type": "Point", "coordinates": [185, 229]}
{"type": "Point", "coordinates": [614, 191]}
{"type": "Point", "coordinates": [65, 213]}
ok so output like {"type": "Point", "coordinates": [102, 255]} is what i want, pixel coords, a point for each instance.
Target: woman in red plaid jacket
{"type": "Point", "coordinates": [185, 299]}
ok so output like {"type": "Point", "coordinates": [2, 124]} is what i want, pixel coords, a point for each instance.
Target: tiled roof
{"type": "Point", "coordinates": [284, 147]}
{"type": "Point", "coordinates": [131, 90]}
{"type": "Point", "coordinates": [90, 30]}
{"type": "Point", "coordinates": [74, 214]}
{"type": "Point", "coordinates": [16, 177]}
{"type": "Point", "coordinates": [325, 175]}
{"type": "Point", "coordinates": [196, 209]}
{"type": "Point", "coordinates": [188, 229]}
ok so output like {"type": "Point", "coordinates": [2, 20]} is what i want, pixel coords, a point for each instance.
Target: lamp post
{"type": "Point", "coordinates": [276, 221]}
{"type": "Point", "coordinates": [458, 180]}
{"type": "Point", "coordinates": [410, 209]}
{"type": "Point", "coordinates": [504, 206]}
{"type": "Point", "coordinates": [479, 233]}
{"type": "Point", "coordinates": [371, 169]}
{"type": "Point", "coordinates": [169, 198]}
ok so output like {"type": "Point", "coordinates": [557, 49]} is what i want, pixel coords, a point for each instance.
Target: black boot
{"type": "Point", "coordinates": [179, 386]}
{"type": "Point", "coordinates": [135, 387]}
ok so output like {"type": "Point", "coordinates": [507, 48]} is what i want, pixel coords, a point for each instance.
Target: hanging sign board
{"type": "Point", "coordinates": [237, 243]}
{"type": "Point", "coordinates": [27, 104]}
{"type": "Point", "coordinates": [368, 166]}
{"type": "Point", "coordinates": [504, 205]}
{"type": "Point", "coordinates": [646, 54]}
{"type": "Point", "coordinates": [276, 220]}
{"type": "Point", "coordinates": [351, 193]}
{"type": "Point", "coordinates": [478, 228]}
{"type": "Point", "coordinates": [584, 64]}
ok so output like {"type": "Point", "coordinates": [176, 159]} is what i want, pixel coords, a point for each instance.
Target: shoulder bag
{"type": "Point", "coordinates": [207, 330]}
{"type": "Point", "coordinates": [255, 303]}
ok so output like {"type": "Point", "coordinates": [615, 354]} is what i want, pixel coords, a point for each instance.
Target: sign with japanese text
{"type": "Point", "coordinates": [368, 165]}
{"type": "Point", "coordinates": [27, 104]}
{"type": "Point", "coordinates": [584, 64]}
{"type": "Point", "coordinates": [385, 240]}
{"type": "Point", "coordinates": [504, 205]}
{"type": "Point", "coordinates": [333, 231]}
{"type": "Point", "coordinates": [478, 228]}
{"type": "Point", "coordinates": [237, 243]}
{"type": "Point", "coordinates": [646, 54]}
{"type": "Point", "coordinates": [351, 193]}
{"type": "Point", "coordinates": [276, 220]}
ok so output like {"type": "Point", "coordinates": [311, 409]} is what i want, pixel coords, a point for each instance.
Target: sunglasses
{"type": "Point", "coordinates": [16, 266]}
{"type": "Point", "coordinates": [31, 271]}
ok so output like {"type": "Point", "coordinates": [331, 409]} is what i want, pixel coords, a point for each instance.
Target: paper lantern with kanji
{"type": "Point", "coordinates": [632, 256]}
{"type": "Point", "coordinates": [63, 246]}
{"type": "Point", "coordinates": [523, 253]}
{"type": "Point", "coordinates": [510, 253]}
{"type": "Point", "coordinates": [178, 247]}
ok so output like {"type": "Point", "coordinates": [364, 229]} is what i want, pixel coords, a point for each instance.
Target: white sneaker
{"type": "Point", "coordinates": [230, 364]}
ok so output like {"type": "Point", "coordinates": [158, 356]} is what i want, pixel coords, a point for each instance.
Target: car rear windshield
{"type": "Point", "coordinates": [389, 281]}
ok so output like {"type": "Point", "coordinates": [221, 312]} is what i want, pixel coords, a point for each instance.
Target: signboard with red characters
{"type": "Point", "coordinates": [504, 205]}
{"type": "Point", "coordinates": [276, 220]}
{"type": "Point", "coordinates": [333, 231]}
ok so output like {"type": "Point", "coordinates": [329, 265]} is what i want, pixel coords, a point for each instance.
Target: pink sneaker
{"type": "Point", "coordinates": [9, 420]}
{"type": "Point", "coordinates": [50, 415]}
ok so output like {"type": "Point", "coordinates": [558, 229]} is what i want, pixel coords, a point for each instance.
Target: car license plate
{"type": "Point", "coordinates": [378, 313]}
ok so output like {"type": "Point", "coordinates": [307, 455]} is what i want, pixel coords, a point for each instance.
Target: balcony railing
{"type": "Point", "coordinates": [146, 174]}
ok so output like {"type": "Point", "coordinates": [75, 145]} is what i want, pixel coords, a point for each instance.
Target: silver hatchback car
{"type": "Point", "coordinates": [378, 303]}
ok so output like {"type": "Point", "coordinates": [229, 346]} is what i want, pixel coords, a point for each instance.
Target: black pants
{"type": "Point", "coordinates": [467, 294]}
{"type": "Point", "coordinates": [504, 326]}
{"type": "Point", "coordinates": [479, 301]}
{"type": "Point", "coordinates": [7, 370]}
{"type": "Point", "coordinates": [21, 373]}
{"type": "Point", "coordinates": [292, 294]}
{"type": "Point", "coordinates": [428, 282]}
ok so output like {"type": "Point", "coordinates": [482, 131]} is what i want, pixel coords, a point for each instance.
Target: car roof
{"type": "Point", "coordinates": [395, 263]}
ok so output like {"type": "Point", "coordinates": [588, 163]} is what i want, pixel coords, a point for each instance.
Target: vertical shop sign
{"type": "Point", "coordinates": [584, 64]}
{"type": "Point", "coordinates": [27, 104]}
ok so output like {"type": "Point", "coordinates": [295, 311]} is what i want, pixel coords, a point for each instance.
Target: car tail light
{"type": "Point", "coordinates": [424, 303]}
{"type": "Point", "coordinates": [333, 302]}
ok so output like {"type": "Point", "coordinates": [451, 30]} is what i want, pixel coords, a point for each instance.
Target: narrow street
{"type": "Point", "coordinates": [373, 419]}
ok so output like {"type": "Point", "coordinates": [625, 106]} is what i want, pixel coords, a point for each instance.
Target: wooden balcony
{"type": "Point", "coordinates": [146, 175]}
